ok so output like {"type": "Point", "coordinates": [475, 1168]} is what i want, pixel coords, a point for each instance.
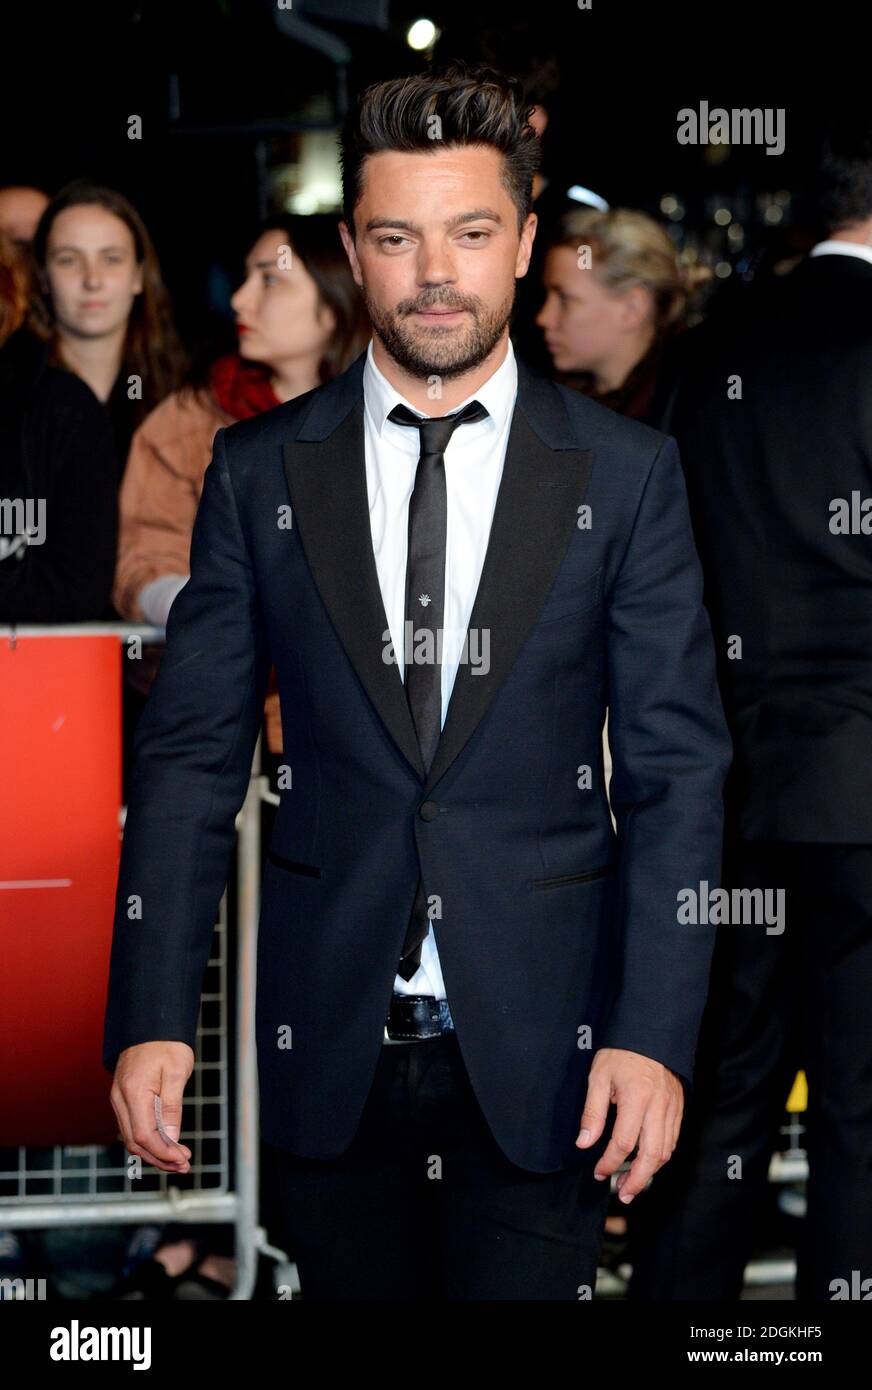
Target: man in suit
{"type": "Point", "coordinates": [775, 430]}
{"type": "Point", "coordinates": [460, 966]}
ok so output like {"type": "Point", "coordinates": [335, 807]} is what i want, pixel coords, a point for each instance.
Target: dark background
{"type": "Point", "coordinates": [222, 92]}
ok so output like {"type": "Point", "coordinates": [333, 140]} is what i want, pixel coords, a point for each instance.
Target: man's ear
{"type": "Point", "coordinates": [351, 253]}
{"type": "Point", "coordinates": [525, 249]}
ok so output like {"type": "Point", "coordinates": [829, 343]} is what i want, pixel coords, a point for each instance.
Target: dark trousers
{"type": "Point", "coordinates": [424, 1205]}
{"type": "Point", "coordinates": [777, 1003]}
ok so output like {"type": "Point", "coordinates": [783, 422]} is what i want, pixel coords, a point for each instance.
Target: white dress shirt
{"type": "Point", "coordinates": [842, 248]}
{"type": "Point", "coordinates": [473, 468]}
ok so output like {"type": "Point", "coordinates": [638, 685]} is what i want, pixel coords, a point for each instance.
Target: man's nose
{"type": "Point", "coordinates": [435, 266]}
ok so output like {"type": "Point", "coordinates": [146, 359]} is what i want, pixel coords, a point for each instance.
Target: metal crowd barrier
{"type": "Point", "coordinates": [80, 1186]}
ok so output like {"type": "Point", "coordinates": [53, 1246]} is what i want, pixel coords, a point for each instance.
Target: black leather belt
{"type": "Point", "coordinates": [413, 1017]}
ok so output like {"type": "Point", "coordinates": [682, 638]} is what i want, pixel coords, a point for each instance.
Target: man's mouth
{"type": "Point", "coordinates": [439, 314]}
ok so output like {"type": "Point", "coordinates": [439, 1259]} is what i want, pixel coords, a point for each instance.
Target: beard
{"type": "Point", "coordinates": [432, 350]}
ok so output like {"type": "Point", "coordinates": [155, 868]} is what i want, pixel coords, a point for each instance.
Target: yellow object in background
{"type": "Point", "coordinates": [798, 1098]}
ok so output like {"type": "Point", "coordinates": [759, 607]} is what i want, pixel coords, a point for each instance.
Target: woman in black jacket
{"type": "Point", "coordinates": [58, 478]}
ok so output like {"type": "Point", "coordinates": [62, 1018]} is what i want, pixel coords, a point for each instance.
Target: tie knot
{"type": "Point", "coordinates": [436, 431]}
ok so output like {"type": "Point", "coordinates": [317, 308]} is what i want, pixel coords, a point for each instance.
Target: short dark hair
{"type": "Point", "coordinates": [845, 176]}
{"type": "Point", "coordinates": [474, 106]}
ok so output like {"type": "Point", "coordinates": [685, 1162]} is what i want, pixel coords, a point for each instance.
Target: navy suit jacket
{"type": "Point", "coordinates": [556, 936]}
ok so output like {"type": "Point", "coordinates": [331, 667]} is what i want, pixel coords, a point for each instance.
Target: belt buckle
{"type": "Point", "coordinates": [445, 1020]}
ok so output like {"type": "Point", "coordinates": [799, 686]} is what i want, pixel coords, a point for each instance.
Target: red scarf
{"type": "Point", "coordinates": [241, 388]}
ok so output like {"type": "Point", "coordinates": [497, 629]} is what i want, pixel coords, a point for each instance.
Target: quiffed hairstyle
{"type": "Point", "coordinates": [474, 106]}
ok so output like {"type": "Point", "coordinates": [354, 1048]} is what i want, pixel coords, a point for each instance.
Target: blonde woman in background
{"type": "Point", "coordinates": [616, 305]}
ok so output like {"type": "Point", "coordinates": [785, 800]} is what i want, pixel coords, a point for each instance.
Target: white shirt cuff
{"type": "Point", "coordinates": [156, 599]}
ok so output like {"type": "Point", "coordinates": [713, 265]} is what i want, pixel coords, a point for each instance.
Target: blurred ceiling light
{"type": "Point", "coordinates": [578, 194]}
{"type": "Point", "coordinates": [422, 34]}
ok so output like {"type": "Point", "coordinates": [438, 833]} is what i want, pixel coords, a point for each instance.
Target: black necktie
{"type": "Point", "coordinates": [425, 599]}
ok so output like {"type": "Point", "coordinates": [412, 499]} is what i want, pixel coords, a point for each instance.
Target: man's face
{"type": "Point", "coordinates": [436, 253]}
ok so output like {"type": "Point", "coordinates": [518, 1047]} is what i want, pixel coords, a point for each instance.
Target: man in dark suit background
{"type": "Point", "coordinates": [461, 967]}
{"type": "Point", "coordinates": [775, 431]}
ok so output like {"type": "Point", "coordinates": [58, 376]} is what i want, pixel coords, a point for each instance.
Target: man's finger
{"type": "Point", "coordinates": [596, 1109]}
{"type": "Point", "coordinates": [631, 1108]}
{"type": "Point", "coordinates": [652, 1152]}
{"type": "Point", "coordinates": [145, 1131]}
{"type": "Point", "coordinates": [180, 1166]}
{"type": "Point", "coordinates": [122, 1114]}
{"type": "Point", "coordinates": [168, 1118]}
{"type": "Point", "coordinates": [168, 1107]}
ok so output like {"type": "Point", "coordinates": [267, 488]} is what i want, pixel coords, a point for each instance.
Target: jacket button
{"type": "Point", "coordinates": [428, 810]}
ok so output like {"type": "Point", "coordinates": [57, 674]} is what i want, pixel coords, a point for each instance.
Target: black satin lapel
{"type": "Point", "coordinates": [327, 483]}
{"type": "Point", "coordinates": [536, 510]}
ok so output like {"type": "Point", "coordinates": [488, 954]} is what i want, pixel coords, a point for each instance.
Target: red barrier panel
{"type": "Point", "coordinates": [60, 794]}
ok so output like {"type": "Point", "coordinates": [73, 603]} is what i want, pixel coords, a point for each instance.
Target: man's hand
{"type": "Point", "coordinates": [650, 1103]}
{"type": "Point", "coordinates": [145, 1072]}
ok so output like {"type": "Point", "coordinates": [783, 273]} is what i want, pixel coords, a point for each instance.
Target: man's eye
{"type": "Point", "coordinates": [392, 240]}
{"type": "Point", "coordinates": [269, 278]}
{"type": "Point", "coordinates": [477, 234]}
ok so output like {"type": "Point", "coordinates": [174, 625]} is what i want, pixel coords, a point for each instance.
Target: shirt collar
{"type": "Point", "coordinates": [497, 394]}
{"type": "Point", "coordinates": [842, 248]}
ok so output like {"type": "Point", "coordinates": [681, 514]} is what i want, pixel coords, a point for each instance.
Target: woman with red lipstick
{"type": "Point", "coordinates": [103, 307]}
{"type": "Point", "coordinates": [301, 322]}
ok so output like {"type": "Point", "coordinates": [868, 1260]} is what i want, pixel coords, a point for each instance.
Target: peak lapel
{"type": "Point", "coordinates": [326, 474]}
{"type": "Point", "coordinates": [544, 481]}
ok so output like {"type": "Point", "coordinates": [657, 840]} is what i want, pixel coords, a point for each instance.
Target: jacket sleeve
{"type": "Point", "coordinates": [192, 759]}
{"type": "Point", "coordinates": [157, 507]}
{"type": "Point", "coordinates": [670, 754]}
